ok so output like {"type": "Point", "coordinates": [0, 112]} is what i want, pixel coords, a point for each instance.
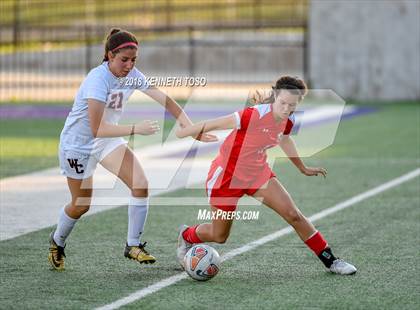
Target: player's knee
{"type": "Point", "coordinates": [79, 209]}
{"type": "Point", "coordinates": [84, 209]}
{"type": "Point", "coordinates": [294, 217]}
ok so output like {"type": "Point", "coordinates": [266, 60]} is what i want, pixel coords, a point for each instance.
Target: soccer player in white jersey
{"type": "Point", "coordinates": [241, 168]}
{"type": "Point", "coordinates": [92, 135]}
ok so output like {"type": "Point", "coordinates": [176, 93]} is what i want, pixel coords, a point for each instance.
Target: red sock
{"type": "Point", "coordinates": [317, 243]}
{"type": "Point", "coordinates": [190, 235]}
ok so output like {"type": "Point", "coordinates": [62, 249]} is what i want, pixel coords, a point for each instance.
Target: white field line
{"type": "Point", "coordinates": [250, 246]}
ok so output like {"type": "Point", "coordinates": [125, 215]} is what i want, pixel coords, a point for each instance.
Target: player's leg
{"type": "Point", "coordinates": [81, 194]}
{"type": "Point", "coordinates": [123, 163]}
{"type": "Point", "coordinates": [276, 197]}
{"type": "Point", "coordinates": [225, 198]}
{"type": "Point", "coordinates": [216, 231]}
{"type": "Point", "coordinates": [81, 197]}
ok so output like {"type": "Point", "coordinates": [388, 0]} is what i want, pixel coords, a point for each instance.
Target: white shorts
{"type": "Point", "coordinates": [79, 165]}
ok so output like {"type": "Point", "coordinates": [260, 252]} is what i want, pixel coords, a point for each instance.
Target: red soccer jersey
{"type": "Point", "coordinates": [243, 153]}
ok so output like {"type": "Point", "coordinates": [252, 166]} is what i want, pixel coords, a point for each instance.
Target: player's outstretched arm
{"type": "Point", "coordinates": [289, 147]}
{"type": "Point", "coordinates": [225, 122]}
{"type": "Point", "coordinates": [175, 109]}
{"type": "Point", "coordinates": [169, 104]}
{"type": "Point", "coordinates": [103, 129]}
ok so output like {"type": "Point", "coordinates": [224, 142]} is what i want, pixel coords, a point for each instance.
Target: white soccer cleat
{"type": "Point", "coordinates": [341, 267]}
{"type": "Point", "coordinates": [183, 246]}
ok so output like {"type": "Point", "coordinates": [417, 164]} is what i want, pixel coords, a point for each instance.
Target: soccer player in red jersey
{"type": "Point", "coordinates": [241, 168]}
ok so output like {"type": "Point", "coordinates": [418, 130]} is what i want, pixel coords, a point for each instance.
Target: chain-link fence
{"type": "Point", "coordinates": [46, 47]}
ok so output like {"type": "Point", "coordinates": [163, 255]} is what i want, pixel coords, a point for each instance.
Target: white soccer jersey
{"type": "Point", "coordinates": [100, 84]}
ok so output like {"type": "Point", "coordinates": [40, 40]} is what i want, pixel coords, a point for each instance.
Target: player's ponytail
{"type": "Point", "coordinates": [293, 84]}
{"type": "Point", "coordinates": [116, 38]}
{"type": "Point", "coordinates": [113, 31]}
{"type": "Point", "coordinates": [259, 96]}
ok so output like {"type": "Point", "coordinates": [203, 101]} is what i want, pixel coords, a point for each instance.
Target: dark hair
{"type": "Point", "coordinates": [293, 84]}
{"type": "Point", "coordinates": [115, 38]}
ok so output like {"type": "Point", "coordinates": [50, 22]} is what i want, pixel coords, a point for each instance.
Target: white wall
{"type": "Point", "coordinates": [365, 49]}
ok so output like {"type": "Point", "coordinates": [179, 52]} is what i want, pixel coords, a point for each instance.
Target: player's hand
{"type": "Point", "coordinates": [186, 131]}
{"type": "Point", "coordinates": [311, 171]}
{"type": "Point", "coordinates": [146, 128]}
{"type": "Point", "coordinates": [206, 137]}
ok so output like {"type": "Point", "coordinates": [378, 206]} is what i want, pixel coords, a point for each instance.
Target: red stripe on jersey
{"type": "Point", "coordinates": [239, 140]}
{"type": "Point", "coordinates": [289, 126]}
{"type": "Point", "coordinates": [243, 153]}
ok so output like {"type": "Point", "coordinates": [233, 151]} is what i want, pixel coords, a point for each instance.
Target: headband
{"type": "Point", "coordinates": [124, 45]}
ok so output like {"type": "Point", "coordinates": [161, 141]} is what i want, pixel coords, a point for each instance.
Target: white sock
{"type": "Point", "coordinates": [64, 227]}
{"type": "Point", "coordinates": [137, 213]}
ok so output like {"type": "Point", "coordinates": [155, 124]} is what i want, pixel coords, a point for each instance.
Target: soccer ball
{"type": "Point", "coordinates": [202, 262]}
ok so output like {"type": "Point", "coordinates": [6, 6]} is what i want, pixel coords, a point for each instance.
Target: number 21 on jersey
{"type": "Point", "coordinates": [115, 101]}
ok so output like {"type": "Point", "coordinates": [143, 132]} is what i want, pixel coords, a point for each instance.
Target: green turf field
{"type": "Point", "coordinates": [379, 235]}
{"type": "Point", "coordinates": [28, 145]}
